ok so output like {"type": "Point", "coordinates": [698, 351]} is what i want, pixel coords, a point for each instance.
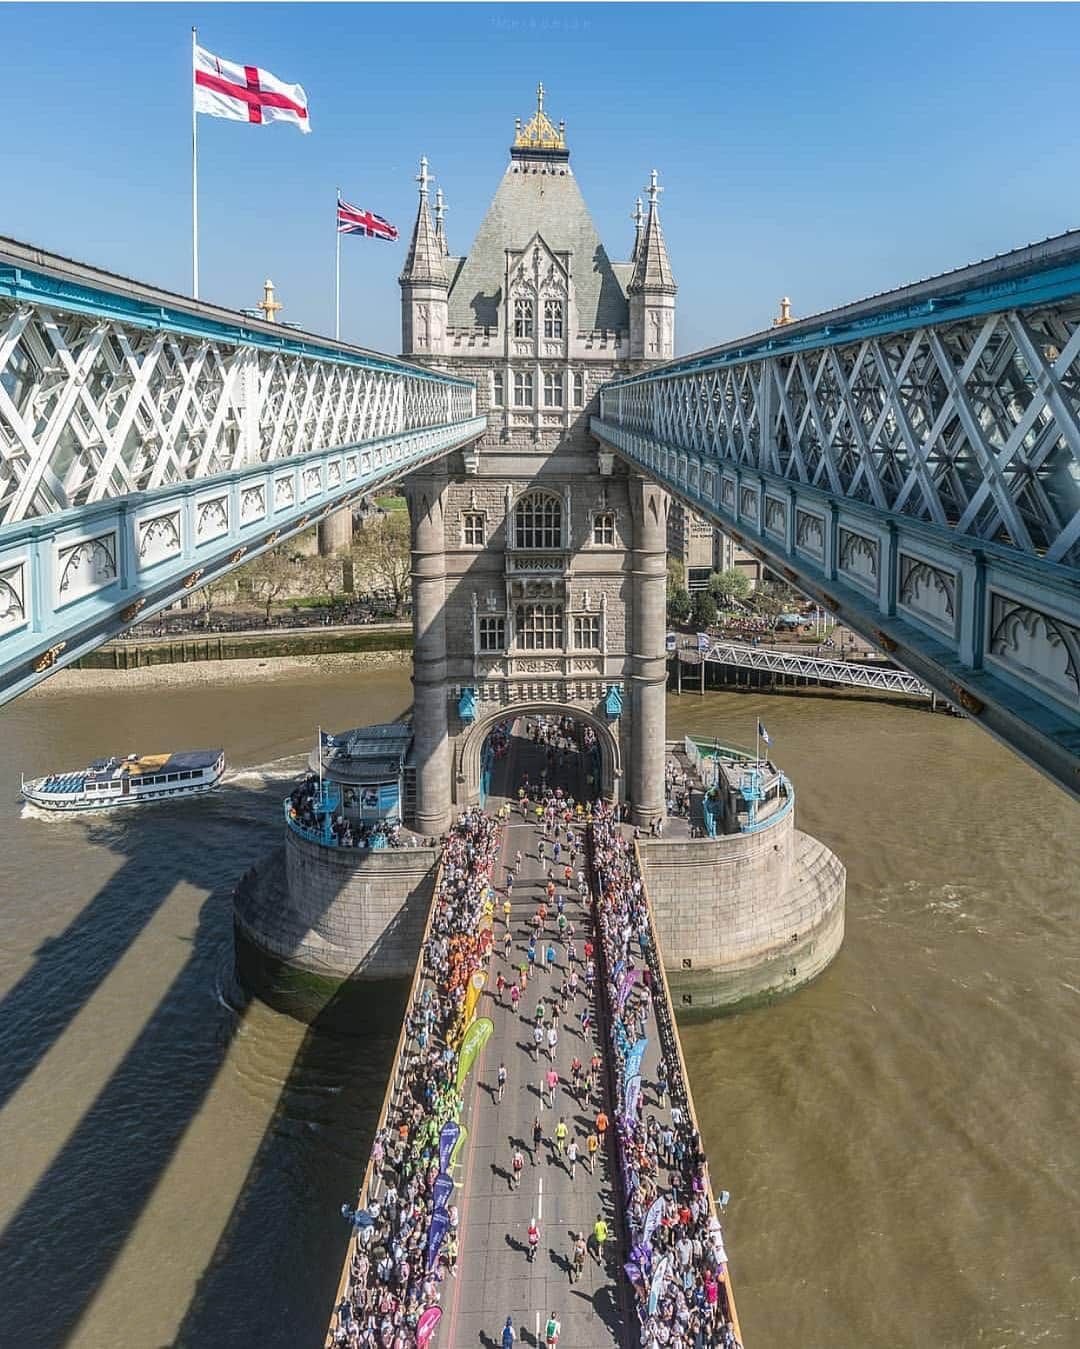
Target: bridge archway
{"type": "Point", "coordinates": [470, 747]}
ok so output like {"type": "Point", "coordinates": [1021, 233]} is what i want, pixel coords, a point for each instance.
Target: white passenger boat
{"type": "Point", "coordinates": [128, 782]}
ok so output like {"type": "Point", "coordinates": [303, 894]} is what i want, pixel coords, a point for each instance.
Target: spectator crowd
{"type": "Point", "coordinates": [405, 1241]}
{"type": "Point", "coordinates": [676, 1264]}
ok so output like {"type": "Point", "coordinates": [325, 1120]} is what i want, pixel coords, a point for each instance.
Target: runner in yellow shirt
{"type": "Point", "coordinates": [600, 1235]}
{"type": "Point", "coordinates": [560, 1135]}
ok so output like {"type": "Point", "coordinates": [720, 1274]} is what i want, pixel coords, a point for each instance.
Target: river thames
{"type": "Point", "coordinates": [899, 1139]}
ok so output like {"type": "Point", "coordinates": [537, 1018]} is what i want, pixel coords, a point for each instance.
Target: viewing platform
{"type": "Point", "coordinates": [613, 1260]}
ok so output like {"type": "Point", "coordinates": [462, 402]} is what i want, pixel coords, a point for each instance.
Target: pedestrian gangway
{"type": "Point", "coordinates": [911, 462]}
{"type": "Point", "coordinates": [149, 443]}
{"type": "Point", "coordinates": [859, 675]}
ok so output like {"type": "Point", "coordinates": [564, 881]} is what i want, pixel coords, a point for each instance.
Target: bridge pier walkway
{"type": "Point", "coordinates": [495, 1279]}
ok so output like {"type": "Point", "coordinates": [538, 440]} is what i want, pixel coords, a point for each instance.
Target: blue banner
{"type": "Point", "coordinates": [634, 1058]}
{"type": "Point", "coordinates": [440, 1225]}
{"type": "Point", "coordinates": [442, 1190]}
{"type": "Point", "coordinates": [448, 1137]}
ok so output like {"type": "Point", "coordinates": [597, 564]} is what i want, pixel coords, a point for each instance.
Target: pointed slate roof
{"type": "Point", "coordinates": [652, 267]}
{"type": "Point", "coordinates": [537, 196]}
{"type": "Point", "coordinates": [424, 263]}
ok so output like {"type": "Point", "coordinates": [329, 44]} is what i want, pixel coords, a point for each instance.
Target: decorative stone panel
{"type": "Point", "coordinates": [1035, 646]}
{"type": "Point", "coordinates": [860, 559]}
{"type": "Point", "coordinates": [85, 566]}
{"type": "Point", "coordinates": [13, 608]}
{"type": "Point", "coordinates": [158, 538]}
{"type": "Point", "coordinates": [929, 592]}
{"type": "Point", "coordinates": [810, 534]}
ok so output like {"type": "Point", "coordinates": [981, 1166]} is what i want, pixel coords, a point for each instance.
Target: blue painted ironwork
{"type": "Point", "coordinates": [911, 462]}
{"type": "Point", "coordinates": [613, 704]}
{"type": "Point", "coordinates": [150, 443]}
{"type": "Point", "coordinates": [467, 705]}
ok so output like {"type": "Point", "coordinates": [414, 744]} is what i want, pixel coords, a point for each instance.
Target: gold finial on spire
{"type": "Point", "coordinates": [784, 315]}
{"type": "Point", "coordinates": [539, 133]}
{"type": "Point", "coordinates": [268, 304]}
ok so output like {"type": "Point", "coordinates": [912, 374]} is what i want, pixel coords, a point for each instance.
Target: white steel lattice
{"type": "Point", "coordinates": [93, 408]}
{"type": "Point", "coordinates": [867, 676]}
{"type": "Point", "coordinates": [973, 425]}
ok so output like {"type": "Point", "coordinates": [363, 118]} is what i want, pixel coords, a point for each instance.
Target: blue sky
{"type": "Point", "coordinates": [824, 152]}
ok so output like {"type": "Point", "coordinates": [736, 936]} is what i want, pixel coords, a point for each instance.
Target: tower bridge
{"type": "Point", "coordinates": [910, 461]}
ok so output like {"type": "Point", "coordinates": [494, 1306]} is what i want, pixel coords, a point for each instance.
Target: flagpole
{"type": "Point", "coordinates": [194, 175]}
{"type": "Point", "coordinates": [337, 271]}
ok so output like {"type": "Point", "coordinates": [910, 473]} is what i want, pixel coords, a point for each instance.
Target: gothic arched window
{"type": "Point", "coordinates": [538, 521]}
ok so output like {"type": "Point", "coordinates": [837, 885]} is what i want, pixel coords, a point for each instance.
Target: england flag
{"type": "Point", "coordinates": [246, 93]}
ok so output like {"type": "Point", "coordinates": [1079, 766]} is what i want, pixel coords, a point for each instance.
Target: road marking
{"type": "Point", "coordinates": [538, 1328]}
{"type": "Point", "coordinates": [540, 1200]}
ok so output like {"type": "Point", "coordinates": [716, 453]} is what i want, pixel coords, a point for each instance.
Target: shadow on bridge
{"type": "Point", "coordinates": [272, 1273]}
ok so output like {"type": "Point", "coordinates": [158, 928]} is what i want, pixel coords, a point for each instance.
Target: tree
{"type": "Point", "coordinates": [381, 549]}
{"type": "Point", "coordinates": [704, 613]}
{"type": "Point", "coordinates": [731, 584]}
{"type": "Point", "coordinates": [771, 599]}
{"type": "Point", "coordinates": [326, 572]}
{"type": "Point", "coordinates": [678, 607]}
{"type": "Point", "coordinates": [270, 576]}
{"type": "Point", "coordinates": [676, 577]}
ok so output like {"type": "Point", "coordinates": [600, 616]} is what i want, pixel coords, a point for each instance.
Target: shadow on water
{"type": "Point", "coordinates": [274, 1270]}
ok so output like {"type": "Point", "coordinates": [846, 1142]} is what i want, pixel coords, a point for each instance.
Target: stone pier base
{"type": "Point", "coordinates": [744, 918]}
{"type": "Point", "coordinates": [310, 920]}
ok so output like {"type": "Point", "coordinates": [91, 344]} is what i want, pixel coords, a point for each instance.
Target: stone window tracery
{"type": "Point", "coordinates": [604, 529]}
{"type": "Point", "coordinates": [523, 388]}
{"type": "Point", "coordinates": [579, 389]}
{"type": "Point", "coordinates": [491, 634]}
{"type": "Point", "coordinates": [587, 632]}
{"type": "Point", "coordinates": [538, 519]}
{"type": "Point", "coordinates": [498, 389]}
{"type": "Point", "coordinates": [523, 318]}
{"type": "Point", "coordinates": [539, 627]}
{"type": "Point", "coordinates": [553, 389]}
{"type": "Point", "coordinates": [553, 318]}
{"type": "Point", "coordinates": [472, 529]}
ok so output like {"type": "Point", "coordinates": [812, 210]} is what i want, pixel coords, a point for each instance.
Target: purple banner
{"type": "Point", "coordinates": [624, 988]}
{"type": "Point", "coordinates": [440, 1225]}
{"type": "Point", "coordinates": [448, 1136]}
{"type": "Point", "coordinates": [442, 1190]}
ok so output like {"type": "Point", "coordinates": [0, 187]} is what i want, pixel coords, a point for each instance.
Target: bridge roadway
{"type": "Point", "coordinates": [495, 1278]}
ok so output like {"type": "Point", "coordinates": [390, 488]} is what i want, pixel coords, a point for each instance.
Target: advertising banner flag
{"type": "Point", "coordinates": [659, 1278]}
{"type": "Point", "coordinates": [458, 1146]}
{"type": "Point", "coordinates": [476, 1037]}
{"type": "Point", "coordinates": [442, 1189]}
{"type": "Point", "coordinates": [652, 1221]}
{"type": "Point", "coordinates": [427, 1325]}
{"type": "Point", "coordinates": [440, 1225]}
{"type": "Point", "coordinates": [633, 1094]}
{"type": "Point", "coordinates": [624, 988]}
{"type": "Point", "coordinates": [634, 1058]}
{"type": "Point", "coordinates": [448, 1137]}
{"type": "Point", "coordinates": [477, 980]}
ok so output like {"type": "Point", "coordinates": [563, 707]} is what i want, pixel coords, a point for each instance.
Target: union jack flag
{"type": "Point", "coordinates": [353, 220]}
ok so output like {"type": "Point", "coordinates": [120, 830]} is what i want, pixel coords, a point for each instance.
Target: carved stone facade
{"type": "Point", "coordinates": [548, 555]}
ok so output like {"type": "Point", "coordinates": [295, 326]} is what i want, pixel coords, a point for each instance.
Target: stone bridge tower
{"type": "Point", "coordinates": [539, 562]}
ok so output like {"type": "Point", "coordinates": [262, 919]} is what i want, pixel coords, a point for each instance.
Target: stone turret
{"type": "Point", "coordinates": [652, 289]}
{"type": "Point", "coordinates": [423, 283]}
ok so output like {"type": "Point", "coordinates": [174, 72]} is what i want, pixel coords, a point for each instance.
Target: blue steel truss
{"type": "Point", "coordinates": [149, 443]}
{"type": "Point", "coordinates": [913, 463]}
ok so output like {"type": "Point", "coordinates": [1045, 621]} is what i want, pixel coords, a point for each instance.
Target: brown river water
{"type": "Point", "coordinates": [900, 1139]}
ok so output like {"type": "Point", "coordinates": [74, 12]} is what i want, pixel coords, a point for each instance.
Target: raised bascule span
{"type": "Point", "coordinates": [912, 462]}
{"type": "Point", "coordinates": [150, 443]}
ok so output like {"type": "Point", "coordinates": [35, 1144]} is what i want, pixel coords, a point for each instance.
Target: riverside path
{"type": "Point", "coordinates": [490, 1276]}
